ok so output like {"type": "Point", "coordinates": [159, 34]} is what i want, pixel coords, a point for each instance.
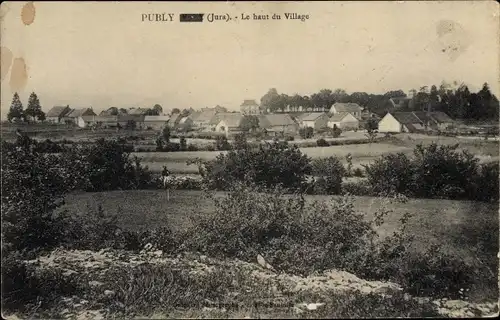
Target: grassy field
{"type": "Point", "coordinates": [176, 161]}
{"type": "Point", "coordinates": [145, 209]}
{"type": "Point", "coordinates": [454, 225]}
{"type": "Point", "coordinates": [361, 153]}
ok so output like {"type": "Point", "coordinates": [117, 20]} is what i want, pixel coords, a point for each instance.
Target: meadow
{"type": "Point", "coordinates": [456, 226]}
{"type": "Point", "coordinates": [362, 154]}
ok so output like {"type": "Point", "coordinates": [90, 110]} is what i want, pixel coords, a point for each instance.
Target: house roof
{"type": "Point", "coordinates": [203, 116]}
{"type": "Point", "coordinates": [441, 117]}
{"type": "Point", "coordinates": [406, 117]}
{"type": "Point", "coordinates": [75, 113]}
{"type": "Point", "coordinates": [57, 111]}
{"type": "Point", "coordinates": [312, 116]}
{"type": "Point", "coordinates": [89, 117]}
{"type": "Point", "coordinates": [299, 117]}
{"type": "Point", "coordinates": [156, 118]}
{"type": "Point", "coordinates": [174, 118]}
{"type": "Point", "coordinates": [232, 120]}
{"type": "Point", "coordinates": [183, 120]}
{"type": "Point", "coordinates": [249, 103]}
{"type": "Point", "coordinates": [138, 111]}
{"type": "Point", "coordinates": [347, 107]}
{"type": "Point", "coordinates": [339, 116]}
{"type": "Point", "coordinates": [271, 120]}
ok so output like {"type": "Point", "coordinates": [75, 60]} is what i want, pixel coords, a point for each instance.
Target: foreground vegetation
{"type": "Point", "coordinates": [263, 214]}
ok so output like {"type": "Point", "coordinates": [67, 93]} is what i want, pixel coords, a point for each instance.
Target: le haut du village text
{"type": "Point", "coordinates": [220, 17]}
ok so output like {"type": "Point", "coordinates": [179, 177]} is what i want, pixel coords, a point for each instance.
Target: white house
{"type": "Point", "coordinates": [81, 117]}
{"type": "Point", "coordinates": [414, 121]}
{"type": "Point", "coordinates": [343, 120]}
{"type": "Point", "coordinates": [57, 113]}
{"type": "Point", "coordinates": [317, 121]}
{"type": "Point", "coordinates": [353, 108]}
{"type": "Point", "coordinates": [229, 122]}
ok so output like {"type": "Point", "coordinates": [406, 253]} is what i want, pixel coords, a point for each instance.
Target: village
{"type": "Point", "coordinates": [344, 166]}
{"type": "Point", "coordinates": [286, 122]}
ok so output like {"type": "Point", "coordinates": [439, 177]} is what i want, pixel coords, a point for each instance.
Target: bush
{"type": "Point", "coordinates": [335, 131]}
{"type": "Point", "coordinates": [269, 164]}
{"type": "Point", "coordinates": [240, 141]}
{"type": "Point", "coordinates": [306, 133]}
{"type": "Point", "coordinates": [107, 165]}
{"type": "Point", "coordinates": [435, 172]}
{"type": "Point", "coordinates": [182, 144]}
{"type": "Point", "coordinates": [192, 147]}
{"type": "Point", "coordinates": [33, 186]}
{"type": "Point", "coordinates": [289, 138]}
{"type": "Point", "coordinates": [360, 188]}
{"type": "Point", "coordinates": [488, 175]}
{"type": "Point", "coordinates": [221, 144]}
{"type": "Point", "coordinates": [391, 174]}
{"type": "Point", "coordinates": [292, 236]}
{"type": "Point", "coordinates": [322, 143]}
{"type": "Point", "coordinates": [358, 172]}
{"type": "Point", "coordinates": [331, 172]}
{"type": "Point", "coordinates": [443, 172]}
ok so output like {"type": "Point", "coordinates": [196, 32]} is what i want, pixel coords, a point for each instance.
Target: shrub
{"type": "Point", "coordinates": [306, 133]}
{"type": "Point", "coordinates": [240, 141]}
{"type": "Point", "coordinates": [391, 174]}
{"type": "Point", "coordinates": [442, 172]}
{"type": "Point", "coordinates": [192, 147]}
{"type": "Point", "coordinates": [488, 175]}
{"type": "Point", "coordinates": [182, 144]}
{"type": "Point", "coordinates": [166, 134]}
{"type": "Point", "coordinates": [291, 235]}
{"type": "Point", "coordinates": [33, 186]}
{"type": "Point", "coordinates": [269, 164]}
{"type": "Point", "coordinates": [335, 131]}
{"type": "Point", "coordinates": [221, 144]}
{"type": "Point", "coordinates": [322, 143]}
{"type": "Point", "coordinates": [289, 138]}
{"type": "Point", "coordinates": [331, 172]}
{"type": "Point", "coordinates": [359, 188]}
{"type": "Point", "coordinates": [107, 165]}
{"type": "Point", "coordinates": [358, 172]}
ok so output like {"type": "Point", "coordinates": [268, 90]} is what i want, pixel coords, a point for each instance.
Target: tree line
{"type": "Point", "coordinates": [455, 100]}
{"type": "Point", "coordinates": [33, 110]}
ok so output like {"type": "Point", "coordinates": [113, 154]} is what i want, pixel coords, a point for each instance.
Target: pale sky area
{"type": "Point", "coordinates": [103, 55]}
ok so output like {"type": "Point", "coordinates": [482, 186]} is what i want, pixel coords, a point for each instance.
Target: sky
{"type": "Point", "coordinates": [102, 55]}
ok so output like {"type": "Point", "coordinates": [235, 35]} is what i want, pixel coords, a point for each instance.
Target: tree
{"type": "Point", "coordinates": [183, 143]}
{"type": "Point", "coordinates": [267, 165]}
{"type": "Point", "coordinates": [166, 134]}
{"type": "Point", "coordinates": [340, 95]}
{"type": "Point", "coordinates": [487, 104]}
{"type": "Point", "coordinates": [34, 109]}
{"type": "Point", "coordinates": [249, 123]}
{"type": "Point", "coordinates": [16, 109]}
{"type": "Point", "coordinates": [176, 110]}
{"type": "Point", "coordinates": [158, 109]}
{"type": "Point", "coordinates": [306, 133]}
{"type": "Point", "coordinates": [151, 112]}
{"type": "Point", "coordinates": [271, 100]}
{"type": "Point", "coordinates": [123, 111]}
{"type": "Point", "coordinates": [371, 130]}
{"type": "Point", "coordinates": [113, 111]}
{"type": "Point", "coordinates": [240, 141]}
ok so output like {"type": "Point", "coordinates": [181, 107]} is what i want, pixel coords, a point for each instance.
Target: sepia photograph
{"type": "Point", "coordinates": [249, 160]}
